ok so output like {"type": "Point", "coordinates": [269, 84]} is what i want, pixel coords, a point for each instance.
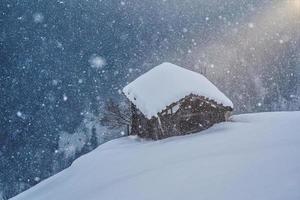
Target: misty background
{"type": "Point", "coordinates": [62, 60]}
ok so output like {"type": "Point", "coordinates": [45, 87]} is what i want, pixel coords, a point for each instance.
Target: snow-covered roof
{"type": "Point", "coordinates": [167, 83]}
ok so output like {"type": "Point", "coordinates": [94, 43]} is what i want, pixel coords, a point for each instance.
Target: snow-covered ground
{"type": "Point", "coordinates": [256, 156]}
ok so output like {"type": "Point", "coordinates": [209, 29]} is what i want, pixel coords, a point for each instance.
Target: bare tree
{"type": "Point", "coordinates": [116, 115]}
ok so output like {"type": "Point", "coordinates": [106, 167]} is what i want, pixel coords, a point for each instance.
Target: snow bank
{"type": "Point", "coordinates": [168, 83]}
{"type": "Point", "coordinates": [254, 157]}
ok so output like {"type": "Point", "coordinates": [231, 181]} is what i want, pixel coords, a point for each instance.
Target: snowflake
{"type": "Point", "coordinates": [38, 17]}
{"type": "Point", "coordinates": [37, 179]}
{"type": "Point", "coordinates": [97, 61]}
{"type": "Point", "coordinates": [251, 25]}
{"type": "Point", "coordinates": [19, 114]}
{"type": "Point", "coordinates": [54, 82]}
{"type": "Point", "coordinates": [65, 98]}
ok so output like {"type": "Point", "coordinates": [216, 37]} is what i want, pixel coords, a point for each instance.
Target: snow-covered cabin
{"type": "Point", "coordinates": [170, 100]}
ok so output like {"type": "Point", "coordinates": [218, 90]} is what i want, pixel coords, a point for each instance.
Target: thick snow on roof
{"type": "Point", "coordinates": [168, 83]}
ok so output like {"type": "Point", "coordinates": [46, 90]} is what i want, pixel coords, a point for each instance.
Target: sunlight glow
{"type": "Point", "coordinates": [295, 4]}
{"type": "Point", "coordinates": [252, 43]}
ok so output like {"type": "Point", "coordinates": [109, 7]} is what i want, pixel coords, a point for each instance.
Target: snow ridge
{"type": "Point", "coordinates": [256, 156]}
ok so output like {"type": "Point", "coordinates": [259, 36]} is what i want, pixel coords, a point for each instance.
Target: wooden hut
{"type": "Point", "coordinates": [170, 100]}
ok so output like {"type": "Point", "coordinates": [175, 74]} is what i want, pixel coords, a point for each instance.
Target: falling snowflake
{"type": "Point", "coordinates": [19, 114]}
{"type": "Point", "coordinates": [251, 25]}
{"type": "Point", "coordinates": [38, 17]}
{"type": "Point", "coordinates": [54, 82]}
{"type": "Point", "coordinates": [97, 61]}
{"type": "Point", "coordinates": [37, 179]}
{"type": "Point", "coordinates": [59, 45]}
{"type": "Point", "coordinates": [65, 98]}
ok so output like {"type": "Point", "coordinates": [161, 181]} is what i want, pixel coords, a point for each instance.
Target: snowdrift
{"type": "Point", "coordinates": [256, 156]}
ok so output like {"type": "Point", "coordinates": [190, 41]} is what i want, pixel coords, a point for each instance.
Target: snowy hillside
{"type": "Point", "coordinates": [256, 156]}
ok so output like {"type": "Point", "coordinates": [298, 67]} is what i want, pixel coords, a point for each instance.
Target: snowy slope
{"type": "Point", "coordinates": [254, 157]}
